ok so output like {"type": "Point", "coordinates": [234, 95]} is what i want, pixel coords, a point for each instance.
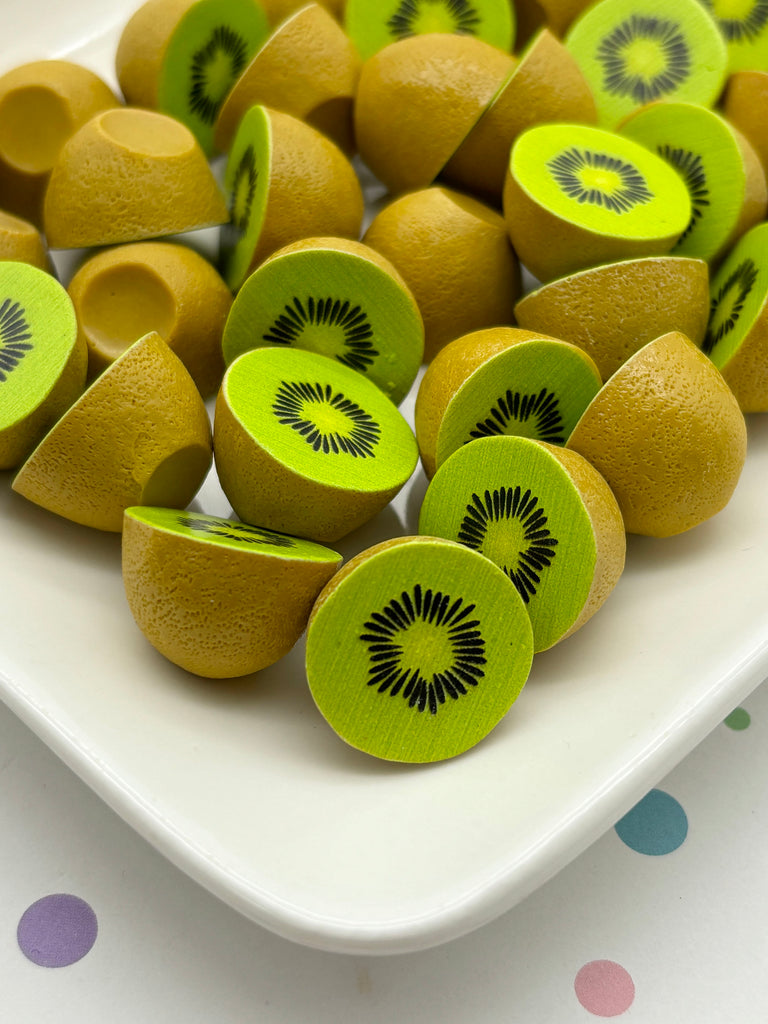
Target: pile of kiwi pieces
{"type": "Point", "coordinates": [477, 612]}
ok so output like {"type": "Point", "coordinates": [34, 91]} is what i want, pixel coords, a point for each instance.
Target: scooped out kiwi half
{"type": "Point", "coordinates": [182, 57]}
{"type": "Point", "coordinates": [307, 446]}
{"type": "Point", "coordinates": [737, 333]}
{"type": "Point", "coordinates": [634, 52]}
{"type": "Point", "coordinates": [218, 597]}
{"type": "Point", "coordinates": [545, 517]}
{"type": "Point", "coordinates": [43, 362]}
{"type": "Point", "coordinates": [577, 196]}
{"type": "Point", "coordinates": [336, 297]}
{"type": "Point", "coordinates": [417, 649]}
{"type": "Point", "coordinates": [374, 24]}
{"type": "Point", "coordinates": [502, 380]}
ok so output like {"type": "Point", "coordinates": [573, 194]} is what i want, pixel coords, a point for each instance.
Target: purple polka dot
{"type": "Point", "coordinates": [57, 930]}
{"type": "Point", "coordinates": [604, 988]}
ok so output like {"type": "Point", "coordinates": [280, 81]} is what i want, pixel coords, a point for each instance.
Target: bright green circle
{"type": "Point", "coordinates": [634, 52]}
{"type": "Point", "coordinates": [738, 294]}
{"type": "Point", "coordinates": [268, 385]}
{"type": "Point", "coordinates": [374, 24]}
{"type": "Point", "coordinates": [538, 388]}
{"type": "Point", "coordinates": [337, 303]}
{"type": "Point", "coordinates": [600, 181]}
{"type": "Point", "coordinates": [702, 148]}
{"type": "Point", "coordinates": [38, 331]}
{"type": "Point", "coordinates": [460, 505]}
{"type": "Point", "coordinates": [229, 533]}
{"type": "Point", "coordinates": [358, 638]}
{"type": "Point", "coordinates": [246, 185]}
{"type": "Point", "coordinates": [211, 32]}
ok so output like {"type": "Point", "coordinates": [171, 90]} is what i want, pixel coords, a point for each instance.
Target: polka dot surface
{"type": "Point", "coordinates": [738, 720]}
{"type": "Point", "coordinates": [655, 826]}
{"type": "Point", "coordinates": [57, 930]}
{"type": "Point", "coordinates": [604, 988]}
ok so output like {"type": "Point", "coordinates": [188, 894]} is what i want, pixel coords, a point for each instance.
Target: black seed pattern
{"type": "Point", "coordinates": [15, 333]}
{"type": "Point", "coordinates": [224, 42]}
{"type": "Point", "coordinates": [352, 322]}
{"type": "Point", "coordinates": [244, 188]}
{"type": "Point", "coordinates": [741, 30]}
{"type": "Point", "coordinates": [621, 81]}
{"type": "Point", "coordinates": [291, 408]}
{"type": "Point", "coordinates": [544, 408]}
{"type": "Point", "coordinates": [633, 190]}
{"type": "Point", "coordinates": [735, 290]}
{"type": "Point", "coordinates": [389, 674]}
{"type": "Point", "coordinates": [512, 503]}
{"type": "Point", "coordinates": [691, 168]}
{"type": "Point", "coordinates": [235, 531]}
{"type": "Point", "coordinates": [465, 17]}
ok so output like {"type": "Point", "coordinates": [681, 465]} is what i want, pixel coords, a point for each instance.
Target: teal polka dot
{"type": "Point", "coordinates": [738, 719]}
{"type": "Point", "coordinates": [655, 826]}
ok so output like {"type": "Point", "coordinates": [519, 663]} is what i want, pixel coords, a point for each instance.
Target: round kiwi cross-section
{"type": "Point", "coordinates": [723, 175]}
{"type": "Point", "coordinates": [576, 196]}
{"type": "Point", "coordinates": [42, 361]}
{"type": "Point", "coordinates": [336, 297]}
{"type": "Point", "coordinates": [549, 521]}
{"type": "Point", "coordinates": [632, 53]}
{"type": "Point", "coordinates": [307, 445]}
{"type": "Point", "coordinates": [373, 24]}
{"type": "Point", "coordinates": [744, 26]}
{"type": "Point", "coordinates": [737, 332]}
{"type": "Point", "coordinates": [218, 597]}
{"type": "Point", "coordinates": [417, 649]}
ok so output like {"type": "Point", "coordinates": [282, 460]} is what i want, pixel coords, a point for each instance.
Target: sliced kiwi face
{"type": "Point", "coordinates": [744, 26]}
{"type": "Point", "coordinates": [373, 24]}
{"type": "Point", "coordinates": [739, 292]}
{"type": "Point", "coordinates": [633, 53]}
{"type": "Point", "coordinates": [703, 149]}
{"type": "Point", "coordinates": [537, 389]}
{"type": "Point", "coordinates": [210, 48]}
{"type": "Point", "coordinates": [246, 184]}
{"type": "Point", "coordinates": [335, 300]}
{"type": "Point", "coordinates": [417, 650]}
{"type": "Point", "coordinates": [509, 499]}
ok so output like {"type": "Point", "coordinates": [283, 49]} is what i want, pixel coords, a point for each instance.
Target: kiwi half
{"type": "Point", "coordinates": [336, 297]}
{"type": "Point", "coordinates": [417, 649]}
{"type": "Point", "coordinates": [549, 521]}
{"type": "Point", "coordinates": [218, 597]}
{"type": "Point", "coordinates": [576, 196]}
{"type": "Point", "coordinates": [21, 242]}
{"type": "Point", "coordinates": [632, 53]}
{"type": "Point", "coordinates": [737, 332]}
{"type": "Point", "coordinates": [373, 24]}
{"type": "Point", "coordinates": [306, 445]}
{"type": "Point", "coordinates": [721, 171]}
{"type": "Point", "coordinates": [744, 104]}
{"type": "Point", "coordinates": [42, 361]}
{"type": "Point", "coordinates": [744, 26]}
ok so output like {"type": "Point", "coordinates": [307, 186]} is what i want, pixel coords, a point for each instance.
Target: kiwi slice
{"type": "Point", "coordinates": [218, 597]}
{"type": "Point", "coordinates": [576, 196]}
{"type": "Point", "coordinates": [336, 297]}
{"type": "Point", "coordinates": [417, 649]}
{"type": "Point", "coordinates": [284, 181]}
{"type": "Point", "coordinates": [307, 445]}
{"type": "Point", "coordinates": [501, 381]}
{"type": "Point", "coordinates": [723, 176]}
{"type": "Point", "coordinates": [42, 360]}
{"type": "Point", "coordinates": [632, 53]}
{"type": "Point", "coordinates": [374, 24]}
{"type": "Point", "coordinates": [737, 332]}
{"type": "Point", "coordinates": [613, 310]}
{"type": "Point", "coordinates": [549, 521]}
{"type": "Point", "coordinates": [744, 26]}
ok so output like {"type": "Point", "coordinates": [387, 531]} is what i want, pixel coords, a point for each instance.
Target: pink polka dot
{"type": "Point", "coordinates": [604, 988]}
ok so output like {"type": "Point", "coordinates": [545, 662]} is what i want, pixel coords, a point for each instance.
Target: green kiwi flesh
{"type": "Point", "coordinates": [744, 26]}
{"type": "Point", "coordinates": [511, 500]}
{"type": "Point", "coordinates": [417, 650]}
{"type": "Point", "coordinates": [632, 53]}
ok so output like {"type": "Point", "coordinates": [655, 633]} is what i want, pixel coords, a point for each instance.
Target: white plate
{"type": "Point", "coordinates": [244, 787]}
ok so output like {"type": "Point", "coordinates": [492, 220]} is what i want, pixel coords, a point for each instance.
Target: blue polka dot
{"type": "Point", "coordinates": [655, 826]}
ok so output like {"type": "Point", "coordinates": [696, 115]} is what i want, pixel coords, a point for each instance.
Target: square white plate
{"type": "Point", "coordinates": [243, 785]}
